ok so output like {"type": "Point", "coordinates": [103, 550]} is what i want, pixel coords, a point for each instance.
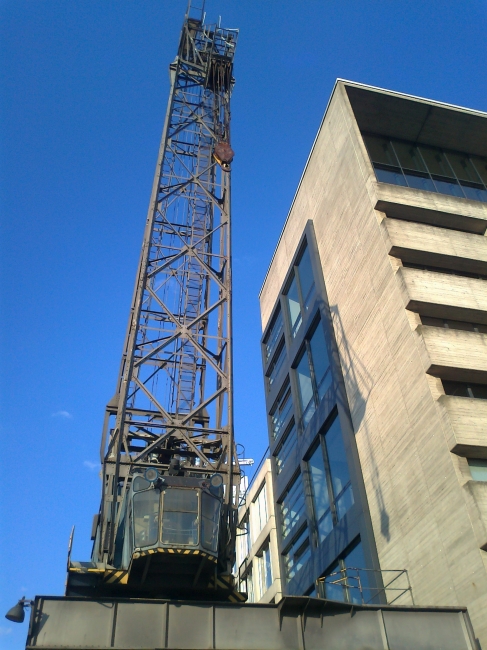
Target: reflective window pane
{"type": "Point", "coordinates": [292, 506]}
{"type": "Point", "coordinates": [409, 156]}
{"type": "Point", "coordinates": [337, 459]}
{"type": "Point", "coordinates": [395, 177]}
{"type": "Point", "coordinates": [140, 483]}
{"type": "Point", "coordinates": [146, 518]}
{"type": "Point", "coordinates": [420, 182]}
{"type": "Point", "coordinates": [286, 450]}
{"type": "Point", "coordinates": [319, 356]}
{"type": "Point", "coordinates": [180, 517]}
{"type": "Point", "coordinates": [306, 279]}
{"type": "Point", "coordinates": [294, 307]}
{"type": "Point", "coordinates": [305, 384]}
{"type": "Point", "coordinates": [478, 469]}
{"type": "Point", "coordinates": [357, 580]}
{"type": "Point", "coordinates": [474, 193]}
{"type": "Point", "coordinates": [319, 492]}
{"type": "Point", "coordinates": [281, 412]}
{"type": "Point", "coordinates": [445, 186]}
{"type": "Point", "coordinates": [298, 555]}
{"type": "Point", "coordinates": [276, 365]}
{"type": "Point", "coordinates": [210, 521]}
{"type": "Point", "coordinates": [273, 336]}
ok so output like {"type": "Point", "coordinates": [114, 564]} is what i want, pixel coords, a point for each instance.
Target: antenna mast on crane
{"type": "Point", "coordinates": [167, 521]}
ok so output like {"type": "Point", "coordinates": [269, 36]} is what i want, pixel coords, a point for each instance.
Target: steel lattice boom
{"type": "Point", "coordinates": [172, 411]}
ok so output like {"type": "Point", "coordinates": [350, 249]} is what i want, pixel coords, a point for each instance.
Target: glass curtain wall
{"type": "Point", "coordinates": [329, 478]}
{"type": "Point", "coordinates": [313, 373]}
{"type": "Point", "coordinates": [300, 292]}
{"type": "Point", "coordinates": [428, 168]}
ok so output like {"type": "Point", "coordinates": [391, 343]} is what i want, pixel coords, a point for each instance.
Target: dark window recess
{"type": "Point", "coordinates": [292, 506]}
{"type": "Point", "coordinates": [281, 411]}
{"type": "Point", "coordinates": [276, 364]}
{"type": "Point", "coordinates": [428, 168]}
{"type": "Point", "coordinates": [298, 554]}
{"type": "Point", "coordinates": [286, 449]}
{"type": "Point", "coordinates": [464, 389]}
{"type": "Point", "coordinates": [438, 269]}
{"type": "Point", "coordinates": [273, 335]}
{"type": "Point", "coordinates": [453, 324]}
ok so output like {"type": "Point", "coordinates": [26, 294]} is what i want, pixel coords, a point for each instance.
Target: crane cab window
{"type": "Point", "coordinates": [180, 517]}
{"type": "Point", "coordinates": [210, 519]}
{"type": "Point", "coordinates": [146, 518]}
{"type": "Point", "coordinates": [140, 484]}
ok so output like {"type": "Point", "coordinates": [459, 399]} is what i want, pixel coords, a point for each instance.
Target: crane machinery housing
{"type": "Point", "coordinates": [170, 474]}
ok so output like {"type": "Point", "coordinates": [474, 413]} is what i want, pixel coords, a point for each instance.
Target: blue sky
{"type": "Point", "coordinates": [83, 92]}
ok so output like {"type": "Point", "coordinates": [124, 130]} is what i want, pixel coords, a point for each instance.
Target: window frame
{"type": "Point", "coordinates": [434, 178]}
{"type": "Point", "coordinates": [305, 349]}
{"type": "Point", "coordinates": [305, 302]}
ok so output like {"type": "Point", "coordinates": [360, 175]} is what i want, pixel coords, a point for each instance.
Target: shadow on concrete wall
{"type": "Point", "coordinates": [358, 385]}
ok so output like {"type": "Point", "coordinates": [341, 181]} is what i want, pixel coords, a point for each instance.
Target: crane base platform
{"type": "Point", "coordinates": [295, 623]}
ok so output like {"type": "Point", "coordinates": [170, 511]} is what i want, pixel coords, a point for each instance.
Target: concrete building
{"type": "Point", "coordinates": [374, 317]}
{"type": "Point", "coordinates": [257, 566]}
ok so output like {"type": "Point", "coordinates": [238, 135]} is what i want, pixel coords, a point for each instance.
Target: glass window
{"type": "Point", "coordinates": [380, 150]}
{"type": "Point", "coordinates": [478, 469]}
{"type": "Point", "coordinates": [347, 579]}
{"type": "Point", "coordinates": [259, 512]}
{"type": "Point", "coordinates": [297, 555]}
{"type": "Point", "coordinates": [428, 168]}
{"type": "Point", "coordinates": [276, 364]}
{"type": "Point", "coordinates": [146, 518]}
{"type": "Point", "coordinates": [463, 168]}
{"type": "Point", "coordinates": [464, 389]}
{"type": "Point", "coordinates": [320, 493]}
{"type": "Point", "coordinates": [248, 586]}
{"type": "Point", "coordinates": [436, 162]}
{"type": "Point", "coordinates": [180, 517]}
{"type": "Point", "coordinates": [281, 411]}
{"type": "Point", "coordinates": [265, 569]}
{"type": "Point", "coordinates": [210, 521]}
{"type": "Point", "coordinates": [390, 176]}
{"type": "Point", "coordinates": [306, 280]}
{"type": "Point", "coordinates": [286, 449]}
{"type": "Point", "coordinates": [294, 308]}
{"type": "Point", "coordinates": [340, 477]}
{"type": "Point", "coordinates": [451, 187]}
{"type": "Point", "coordinates": [409, 156]}
{"type": "Point", "coordinates": [273, 336]}
{"type": "Point", "coordinates": [141, 484]}
{"type": "Point", "coordinates": [305, 385]}
{"type": "Point", "coordinates": [292, 506]}
{"type": "Point", "coordinates": [419, 182]}
{"type": "Point", "coordinates": [244, 543]}
{"type": "Point", "coordinates": [480, 165]}
{"type": "Point", "coordinates": [321, 365]}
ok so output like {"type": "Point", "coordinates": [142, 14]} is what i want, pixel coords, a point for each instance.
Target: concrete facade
{"type": "Point", "coordinates": [256, 535]}
{"type": "Point", "coordinates": [411, 440]}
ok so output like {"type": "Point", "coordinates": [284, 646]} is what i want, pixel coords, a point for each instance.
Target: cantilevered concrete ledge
{"type": "Point", "coordinates": [454, 354]}
{"type": "Point", "coordinates": [429, 207]}
{"type": "Point", "coordinates": [444, 296]}
{"type": "Point", "coordinates": [295, 623]}
{"type": "Point", "coordinates": [449, 249]}
{"type": "Point", "coordinates": [468, 419]}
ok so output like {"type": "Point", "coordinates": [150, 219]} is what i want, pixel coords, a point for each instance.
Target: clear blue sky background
{"type": "Point", "coordinates": [84, 90]}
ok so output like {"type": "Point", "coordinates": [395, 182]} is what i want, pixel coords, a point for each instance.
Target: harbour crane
{"type": "Point", "coordinates": [170, 474]}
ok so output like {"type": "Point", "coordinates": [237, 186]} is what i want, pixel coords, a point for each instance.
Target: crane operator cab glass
{"type": "Point", "coordinates": [172, 515]}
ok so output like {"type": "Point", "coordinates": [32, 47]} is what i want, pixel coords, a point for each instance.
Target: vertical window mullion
{"type": "Point", "coordinates": [453, 172]}
{"type": "Point", "coordinates": [426, 166]}
{"type": "Point", "coordinates": [314, 383]}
